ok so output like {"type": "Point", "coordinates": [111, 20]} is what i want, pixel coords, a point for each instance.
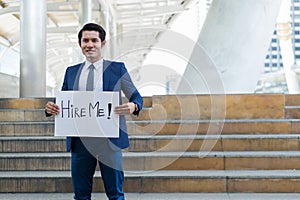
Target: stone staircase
{"type": "Point", "coordinates": [183, 144]}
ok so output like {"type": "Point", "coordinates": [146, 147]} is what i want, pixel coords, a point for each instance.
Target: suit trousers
{"type": "Point", "coordinates": [86, 153]}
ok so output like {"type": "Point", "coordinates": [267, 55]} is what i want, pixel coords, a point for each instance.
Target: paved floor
{"type": "Point", "coordinates": [157, 196]}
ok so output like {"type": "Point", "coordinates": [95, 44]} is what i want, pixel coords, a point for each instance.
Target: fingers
{"type": "Point", "coordinates": [52, 108]}
{"type": "Point", "coordinates": [125, 109]}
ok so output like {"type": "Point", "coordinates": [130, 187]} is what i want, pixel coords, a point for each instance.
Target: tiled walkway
{"type": "Point", "coordinates": [158, 196]}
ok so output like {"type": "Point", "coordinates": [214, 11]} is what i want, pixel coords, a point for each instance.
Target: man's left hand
{"type": "Point", "coordinates": [125, 109]}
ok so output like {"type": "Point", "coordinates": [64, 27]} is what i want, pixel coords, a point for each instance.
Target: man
{"type": "Point", "coordinates": [87, 152]}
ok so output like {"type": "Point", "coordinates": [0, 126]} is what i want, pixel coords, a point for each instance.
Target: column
{"type": "Point", "coordinates": [106, 20]}
{"type": "Point", "coordinates": [85, 11]}
{"type": "Point", "coordinates": [106, 26]}
{"type": "Point", "coordinates": [231, 48]}
{"type": "Point", "coordinates": [33, 48]}
{"type": "Point", "coordinates": [114, 41]}
{"type": "Point", "coordinates": [85, 16]}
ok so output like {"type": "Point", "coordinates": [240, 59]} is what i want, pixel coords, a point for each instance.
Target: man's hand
{"type": "Point", "coordinates": [125, 109]}
{"type": "Point", "coordinates": [52, 108]}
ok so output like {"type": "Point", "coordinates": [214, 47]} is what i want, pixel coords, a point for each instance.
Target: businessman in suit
{"type": "Point", "coordinates": [107, 152]}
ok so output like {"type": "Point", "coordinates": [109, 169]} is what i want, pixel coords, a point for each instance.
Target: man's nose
{"type": "Point", "coordinates": [89, 43]}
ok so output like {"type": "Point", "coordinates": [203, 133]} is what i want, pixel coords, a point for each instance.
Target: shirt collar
{"type": "Point", "coordinates": [97, 64]}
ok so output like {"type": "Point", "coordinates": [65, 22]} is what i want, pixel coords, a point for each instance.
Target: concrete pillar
{"type": "Point", "coordinates": [114, 41]}
{"type": "Point", "coordinates": [108, 25]}
{"type": "Point", "coordinates": [33, 48]}
{"type": "Point", "coordinates": [284, 34]}
{"type": "Point", "coordinates": [231, 48]}
{"type": "Point", "coordinates": [85, 11]}
{"type": "Point", "coordinates": [85, 16]}
{"type": "Point", "coordinates": [106, 15]}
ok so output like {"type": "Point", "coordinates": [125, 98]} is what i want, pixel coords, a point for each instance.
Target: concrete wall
{"type": "Point", "coordinates": [10, 87]}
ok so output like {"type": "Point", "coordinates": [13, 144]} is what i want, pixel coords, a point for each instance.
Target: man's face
{"type": "Point", "coordinates": [91, 45]}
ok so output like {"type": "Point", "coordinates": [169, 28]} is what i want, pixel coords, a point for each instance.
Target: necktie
{"type": "Point", "coordinates": [90, 79]}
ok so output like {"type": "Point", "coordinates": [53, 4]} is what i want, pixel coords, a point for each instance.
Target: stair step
{"type": "Point", "coordinates": [292, 99]}
{"type": "Point", "coordinates": [253, 142]}
{"type": "Point", "coordinates": [23, 115]}
{"type": "Point", "coordinates": [236, 106]}
{"type": "Point", "coordinates": [292, 112]}
{"type": "Point", "coordinates": [24, 103]}
{"type": "Point", "coordinates": [178, 127]}
{"type": "Point", "coordinates": [193, 127]}
{"type": "Point", "coordinates": [210, 106]}
{"type": "Point", "coordinates": [32, 144]}
{"type": "Point", "coordinates": [26, 128]}
{"type": "Point", "coordinates": [147, 114]}
{"type": "Point", "coordinates": [162, 161]}
{"type": "Point", "coordinates": [162, 107]}
{"type": "Point", "coordinates": [219, 181]}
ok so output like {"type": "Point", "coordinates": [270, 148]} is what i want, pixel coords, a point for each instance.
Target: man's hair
{"type": "Point", "coordinates": [92, 27]}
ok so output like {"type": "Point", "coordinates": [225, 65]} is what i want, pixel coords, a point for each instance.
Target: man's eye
{"type": "Point", "coordinates": [94, 40]}
{"type": "Point", "coordinates": [85, 40]}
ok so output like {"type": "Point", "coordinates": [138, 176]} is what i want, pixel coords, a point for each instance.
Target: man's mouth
{"type": "Point", "coordinates": [89, 51]}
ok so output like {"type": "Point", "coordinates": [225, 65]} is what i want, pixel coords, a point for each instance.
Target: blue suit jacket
{"type": "Point", "coordinates": [115, 78]}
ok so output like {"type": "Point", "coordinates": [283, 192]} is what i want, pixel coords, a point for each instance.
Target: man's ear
{"type": "Point", "coordinates": [103, 43]}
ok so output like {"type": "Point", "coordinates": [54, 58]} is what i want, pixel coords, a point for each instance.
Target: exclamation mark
{"type": "Point", "coordinates": [109, 110]}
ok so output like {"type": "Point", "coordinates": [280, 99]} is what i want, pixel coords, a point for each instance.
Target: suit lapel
{"type": "Point", "coordinates": [76, 82]}
{"type": "Point", "coordinates": [106, 75]}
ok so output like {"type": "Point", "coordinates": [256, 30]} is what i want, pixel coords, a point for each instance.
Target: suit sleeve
{"type": "Point", "coordinates": [130, 90]}
{"type": "Point", "coordinates": [65, 83]}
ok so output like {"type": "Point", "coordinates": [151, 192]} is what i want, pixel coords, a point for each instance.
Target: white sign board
{"type": "Point", "coordinates": [87, 114]}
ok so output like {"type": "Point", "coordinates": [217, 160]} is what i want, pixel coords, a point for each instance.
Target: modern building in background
{"type": "Point", "coordinates": [273, 79]}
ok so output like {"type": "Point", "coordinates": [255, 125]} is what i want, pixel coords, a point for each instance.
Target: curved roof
{"type": "Point", "coordinates": [135, 26]}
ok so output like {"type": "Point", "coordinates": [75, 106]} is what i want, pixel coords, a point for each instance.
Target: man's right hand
{"type": "Point", "coordinates": [51, 108]}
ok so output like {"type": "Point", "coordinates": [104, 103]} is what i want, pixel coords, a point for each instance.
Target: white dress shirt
{"type": "Point", "coordinates": [98, 82]}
